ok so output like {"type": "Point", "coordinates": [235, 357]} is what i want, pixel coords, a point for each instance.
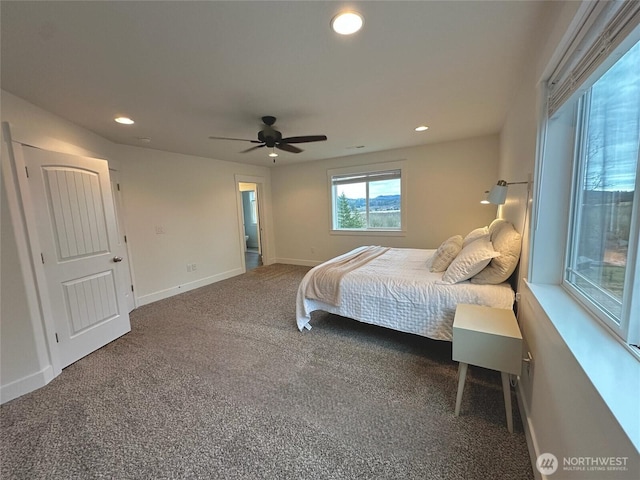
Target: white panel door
{"type": "Point", "coordinates": [81, 254]}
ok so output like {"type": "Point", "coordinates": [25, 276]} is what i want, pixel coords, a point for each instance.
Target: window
{"type": "Point", "coordinates": [367, 200]}
{"type": "Point", "coordinates": [605, 180]}
{"type": "Point", "coordinates": [254, 207]}
{"type": "Point", "coordinates": [587, 177]}
{"type": "Point", "coordinates": [601, 256]}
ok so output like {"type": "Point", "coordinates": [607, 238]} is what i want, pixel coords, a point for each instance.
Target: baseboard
{"type": "Point", "coordinates": [26, 384]}
{"type": "Point", "coordinates": [529, 431]}
{"type": "Point", "coordinates": [170, 292]}
{"type": "Point", "coordinates": [297, 261]}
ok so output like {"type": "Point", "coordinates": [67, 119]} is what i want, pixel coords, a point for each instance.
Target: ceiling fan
{"type": "Point", "coordinates": [272, 138]}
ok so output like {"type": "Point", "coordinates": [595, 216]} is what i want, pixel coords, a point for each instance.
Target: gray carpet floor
{"type": "Point", "coordinates": [219, 383]}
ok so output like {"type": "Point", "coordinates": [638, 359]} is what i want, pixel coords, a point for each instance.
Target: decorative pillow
{"type": "Point", "coordinates": [471, 260]}
{"type": "Point", "coordinates": [506, 241]}
{"type": "Point", "coordinates": [447, 251]}
{"type": "Point", "coordinates": [495, 224]}
{"type": "Point", "coordinates": [474, 235]}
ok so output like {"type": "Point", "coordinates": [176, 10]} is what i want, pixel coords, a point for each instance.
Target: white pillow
{"type": "Point", "coordinates": [471, 260]}
{"type": "Point", "coordinates": [506, 241]}
{"type": "Point", "coordinates": [495, 224]}
{"type": "Point", "coordinates": [474, 235]}
{"type": "Point", "coordinates": [447, 251]}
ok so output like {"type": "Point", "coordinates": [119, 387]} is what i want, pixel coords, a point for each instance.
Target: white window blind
{"type": "Point", "coordinates": [365, 177]}
{"type": "Point", "coordinates": [605, 26]}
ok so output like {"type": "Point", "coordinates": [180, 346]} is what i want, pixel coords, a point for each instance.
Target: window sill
{"type": "Point", "coordinates": [370, 233]}
{"type": "Point", "coordinates": [612, 368]}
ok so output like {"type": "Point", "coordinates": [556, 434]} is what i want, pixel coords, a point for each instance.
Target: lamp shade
{"type": "Point", "coordinates": [498, 194]}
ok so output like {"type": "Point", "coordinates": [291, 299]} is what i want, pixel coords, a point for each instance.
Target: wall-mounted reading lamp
{"type": "Point", "coordinates": [498, 194]}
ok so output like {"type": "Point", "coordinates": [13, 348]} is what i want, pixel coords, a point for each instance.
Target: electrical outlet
{"type": "Point", "coordinates": [188, 267]}
{"type": "Point", "coordinates": [159, 229]}
{"type": "Point", "coordinates": [193, 267]}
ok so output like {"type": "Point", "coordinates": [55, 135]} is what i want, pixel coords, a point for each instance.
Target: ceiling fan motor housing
{"type": "Point", "coordinates": [270, 136]}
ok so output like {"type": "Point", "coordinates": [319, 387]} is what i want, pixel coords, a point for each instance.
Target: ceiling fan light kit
{"type": "Point", "coordinates": [272, 138]}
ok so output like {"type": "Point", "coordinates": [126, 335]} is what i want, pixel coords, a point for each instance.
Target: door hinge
{"type": "Point", "coordinates": [26, 169]}
{"type": "Point", "coordinates": [42, 258]}
{"type": "Point", "coordinates": [132, 288]}
{"type": "Point", "coordinates": [125, 239]}
{"type": "Point", "coordinates": [57, 339]}
{"type": "Point", "coordinates": [118, 185]}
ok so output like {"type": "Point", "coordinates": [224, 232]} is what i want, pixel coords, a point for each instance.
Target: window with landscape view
{"type": "Point", "coordinates": [600, 265]}
{"type": "Point", "coordinates": [367, 200]}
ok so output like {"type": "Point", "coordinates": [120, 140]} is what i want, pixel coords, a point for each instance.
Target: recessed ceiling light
{"type": "Point", "coordinates": [421, 128]}
{"type": "Point", "coordinates": [124, 120]}
{"type": "Point", "coordinates": [347, 23]}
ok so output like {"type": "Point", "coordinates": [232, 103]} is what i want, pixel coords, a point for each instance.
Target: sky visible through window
{"type": "Point", "coordinates": [384, 187]}
{"type": "Point", "coordinates": [614, 126]}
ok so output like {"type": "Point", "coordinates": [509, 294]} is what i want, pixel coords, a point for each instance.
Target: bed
{"type": "Point", "coordinates": [395, 287]}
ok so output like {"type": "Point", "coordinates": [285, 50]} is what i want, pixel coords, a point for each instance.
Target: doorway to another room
{"type": "Point", "coordinates": [251, 225]}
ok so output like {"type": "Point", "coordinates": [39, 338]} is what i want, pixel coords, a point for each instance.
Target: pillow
{"type": "Point", "coordinates": [474, 235]}
{"type": "Point", "coordinates": [471, 260]}
{"type": "Point", "coordinates": [447, 251]}
{"type": "Point", "coordinates": [506, 241]}
{"type": "Point", "coordinates": [495, 224]}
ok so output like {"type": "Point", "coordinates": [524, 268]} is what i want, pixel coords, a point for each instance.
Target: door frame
{"type": "Point", "coordinates": [262, 227]}
{"type": "Point", "coordinates": [121, 224]}
{"type": "Point", "coordinates": [41, 324]}
{"type": "Point", "coordinates": [35, 283]}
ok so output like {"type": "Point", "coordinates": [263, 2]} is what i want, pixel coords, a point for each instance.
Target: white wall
{"type": "Point", "coordinates": [193, 199]}
{"type": "Point", "coordinates": [17, 345]}
{"type": "Point", "coordinates": [565, 414]}
{"type": "Point", "coordinates": [445, 183]}
{"type": "Point", "coordinates": [194, 202]}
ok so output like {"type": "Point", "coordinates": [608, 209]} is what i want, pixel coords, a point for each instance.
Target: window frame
{"type": "Point", "coordinates": [369, 169]}
{"type": "Point", "coordinates": [623, 325]}
{"type": "Point", "coordinates": [627, 329]}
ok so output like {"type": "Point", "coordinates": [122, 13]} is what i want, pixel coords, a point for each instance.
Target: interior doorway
{"type": "Point", "coordinates": [251, 230]}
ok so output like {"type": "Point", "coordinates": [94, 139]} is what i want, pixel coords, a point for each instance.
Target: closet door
{"type": "Point", "coordinates": [81, 253]}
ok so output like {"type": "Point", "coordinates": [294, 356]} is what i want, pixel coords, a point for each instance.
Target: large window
{"type": "Point", "coordinates": [600, 264]}
{"type": "Point", "coordinates": [367, 200]}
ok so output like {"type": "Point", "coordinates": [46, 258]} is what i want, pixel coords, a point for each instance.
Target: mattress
{"type": "Point", "coordinates": [396, 290]}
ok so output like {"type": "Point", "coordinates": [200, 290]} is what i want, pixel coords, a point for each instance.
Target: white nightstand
{"type": "Point", "coordinates": [490, 338]}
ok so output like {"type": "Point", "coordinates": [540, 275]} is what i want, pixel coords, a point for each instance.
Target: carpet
{"type": "Point", "coordinates": [219, 383]}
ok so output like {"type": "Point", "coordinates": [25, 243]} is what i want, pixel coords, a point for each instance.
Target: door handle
{"type": "Point", "coordinates": [117, 259]}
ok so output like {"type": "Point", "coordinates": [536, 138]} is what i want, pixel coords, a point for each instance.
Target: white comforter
{"type": "Point", "coordinates": [397, 290]}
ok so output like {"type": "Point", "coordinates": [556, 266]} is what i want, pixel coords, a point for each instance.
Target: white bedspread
{"type": "Point", "coordinates": [397, 290]}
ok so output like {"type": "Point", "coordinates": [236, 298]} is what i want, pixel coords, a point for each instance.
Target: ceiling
{"type": "Point", "coordinates": [187, 70]}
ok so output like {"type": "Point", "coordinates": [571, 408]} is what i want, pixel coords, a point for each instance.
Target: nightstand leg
{"type": "Point", "coordinates": [506, 390]}
{"type": "Point", "coordinates": [462, 375]}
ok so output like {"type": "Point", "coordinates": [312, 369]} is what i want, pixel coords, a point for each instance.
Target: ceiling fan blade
{"type": "Point", "coordinates": [239, 139]}
{"type": "Point", "coordinates": [288, 148]}
{"type": "Point", "coordinates": [305, 139]}
{"type": "Point", "coordinates": [253, 148]}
